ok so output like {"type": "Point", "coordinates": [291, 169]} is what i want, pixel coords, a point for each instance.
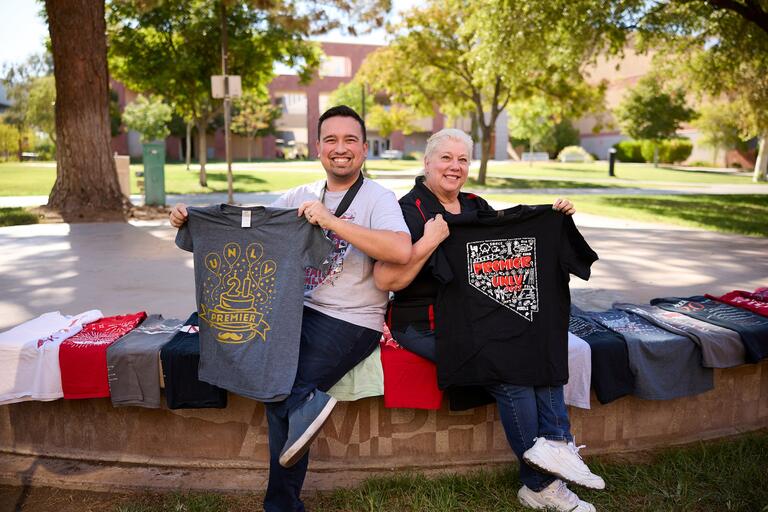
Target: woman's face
{"type": "Point", "coordinates": [447, 168]}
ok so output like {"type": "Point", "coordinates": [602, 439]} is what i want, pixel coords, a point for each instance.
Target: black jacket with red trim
{"type": "Point", "coordinates": [413, 304]}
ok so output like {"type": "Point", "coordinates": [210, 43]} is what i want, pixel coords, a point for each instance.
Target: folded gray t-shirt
{"type": "Point", "coordinates": [720, 347]}
{"type": "Point", "coordinates": [249, 282]}
{"type": "Point", "coordinates": [665, 365]}
{"type": "Point", "coordinates": [133, 362]}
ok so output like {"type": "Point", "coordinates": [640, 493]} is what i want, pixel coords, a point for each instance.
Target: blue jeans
{"type": "Point", "coordinates": [526, 412]}
{"type": "Point", "coordinates": [329, 348]}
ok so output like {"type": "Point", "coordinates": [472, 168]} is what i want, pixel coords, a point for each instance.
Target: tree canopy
{"type": "Point", "coordinates": [149, 117]}
{"type": "Point", "coordinates": [475, 57]}
{"type": "Point", "coordinates": [650, 112]}
{"type": "Point", "coordinates": [720, 49]}
{"type": "Point", "coordinates": [254, 115]}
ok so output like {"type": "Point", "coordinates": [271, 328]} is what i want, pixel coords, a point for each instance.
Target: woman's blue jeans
{"type": "Point", "coordinates": [526, 412]}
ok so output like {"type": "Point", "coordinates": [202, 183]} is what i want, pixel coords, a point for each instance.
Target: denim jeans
{"type": "Point", "coordinates": [526, 412]}
{"type": "Point", "coordinates": [329, 348]}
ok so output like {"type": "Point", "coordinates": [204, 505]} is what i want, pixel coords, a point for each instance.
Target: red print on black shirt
{"type": "Point", "coordinates": [505, 271]}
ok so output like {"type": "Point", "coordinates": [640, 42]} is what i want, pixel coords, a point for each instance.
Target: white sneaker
{"type": "Point", "coordinates": [562, 460]}
{"type": "Point", "coordinates": [556, 496]}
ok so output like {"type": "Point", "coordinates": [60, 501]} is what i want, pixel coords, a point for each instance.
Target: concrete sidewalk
{"type": "Point", "coordinates": [127, 267]}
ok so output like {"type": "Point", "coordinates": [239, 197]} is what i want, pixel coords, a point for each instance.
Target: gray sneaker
{"type": "Point", "coordinates": [304, 424]}
{"type": "Point", "coordinates": [556, 496]}
{"type": "Point", "coordinates": [562, 460]}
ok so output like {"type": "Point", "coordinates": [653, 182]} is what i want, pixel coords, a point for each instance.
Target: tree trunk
{"type": "Point", "coordinates": [188, 156]}
{"type": "Point", "coordinates": [485, 152]}
{"type": "Point", "coordinates": [250, 139]}
{"type": "Point", "coordinates": [655, 155]}
{"type": "Point", "coordinates": [202, 152]}
{"type": "Point", "coordinates": [761, 166]}
{"type": "Point", "coordinates": [86, 180]}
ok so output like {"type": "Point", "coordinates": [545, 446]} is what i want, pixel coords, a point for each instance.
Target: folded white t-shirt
{"type": "Point", "coordinates": [29, 356]}
{"type": "Point", "coordinates": [579, 372]}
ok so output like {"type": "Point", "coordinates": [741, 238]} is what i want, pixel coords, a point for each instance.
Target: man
{"type": "Point", "coordinates": [343, 309]}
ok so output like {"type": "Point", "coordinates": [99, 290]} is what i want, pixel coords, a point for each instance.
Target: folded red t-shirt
{"type": "Point", "coordinates": [410, 381]}
{"type": "Point", "coordinates": [83, 357]}
{"type": "Point", "coordinates": [756, 302]}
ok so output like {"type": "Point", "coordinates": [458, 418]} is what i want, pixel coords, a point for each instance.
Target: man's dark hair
{"type": "Point", "coordinates": [341, 111]}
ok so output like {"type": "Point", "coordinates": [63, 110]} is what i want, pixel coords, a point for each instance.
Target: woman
{"type": "Point", "coordinates": [535, 419]}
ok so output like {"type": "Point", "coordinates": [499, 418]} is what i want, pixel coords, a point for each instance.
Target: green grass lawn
{"type": "Point", "coordinates": [624, 172]}
{"type": "Point", "coordinates": [37, 178]}
{"type": "Point", "coordinates": [16, 216]}
{"type": "Point", "coordinates": [742, 214]}
{"type": "Point", "coordinates": [30, 179]}
{"type": "Point", "coordinates": [492, 182]}
{"type": "Point", "coordinates": [180, 181]}
{"type": "Point", "coordinates": [26, 179]}
{"type": "Point", "coordinates": [722, 475]}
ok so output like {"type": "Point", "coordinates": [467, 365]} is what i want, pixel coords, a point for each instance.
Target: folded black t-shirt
{"type": "Point", "coordinates": [611, 375]}
{"type": "Point", "coordinates": [180, 358]}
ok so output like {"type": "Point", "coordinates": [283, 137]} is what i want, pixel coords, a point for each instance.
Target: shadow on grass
{"type": "Point", "coordinates": [738, 213]}
{"type": "Point", "coordinates": [497, 182]}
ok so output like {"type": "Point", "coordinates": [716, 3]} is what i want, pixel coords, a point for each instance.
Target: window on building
{"type": "Point", "coordinates": [324, 101]}
{"type": "Point", "coordinates": [293, 103]}
{"type": "Point", "coordinates": [334, 65]}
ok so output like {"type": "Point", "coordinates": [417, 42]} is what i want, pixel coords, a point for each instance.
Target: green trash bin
{"type": "Point", "coordinates": [154, 173]}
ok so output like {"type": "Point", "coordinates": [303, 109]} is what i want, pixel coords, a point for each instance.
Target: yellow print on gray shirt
{"type": "Point", "coordinates": [237, 293]}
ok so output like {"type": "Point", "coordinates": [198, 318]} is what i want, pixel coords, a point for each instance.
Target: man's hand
{"type": "Point", "coordinates": [178, 215]}
{"type": "Point", "coordinates": [564, 206]}
{"type": "Point", "coordinates": [316, 213]}
{"type": "Point", "coordinates": [436, 230]}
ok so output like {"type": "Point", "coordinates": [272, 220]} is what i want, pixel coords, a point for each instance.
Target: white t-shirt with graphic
{"type": "Point", "coordinates": [29, 356]}
{"type": "Point", "coordinates": [347, 291]}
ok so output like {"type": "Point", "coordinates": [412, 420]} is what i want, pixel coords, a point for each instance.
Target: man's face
{"type": "Point", "coordinates": [341, 147]}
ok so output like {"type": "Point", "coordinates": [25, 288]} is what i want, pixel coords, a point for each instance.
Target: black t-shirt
{"type": "Point", "coordinates": [752, 327]}
{"type": "Point", "coordinates": [611, 376]}
{"type": "Point", "coordinates": [180, 358]}
{"type": "Point", "coordinates": [411, 306]}
{"type": "Point", "coordinates": [502, 312]}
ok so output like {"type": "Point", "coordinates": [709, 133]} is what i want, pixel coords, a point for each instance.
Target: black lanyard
{"type": "Point", "coordinates": [348, 197]}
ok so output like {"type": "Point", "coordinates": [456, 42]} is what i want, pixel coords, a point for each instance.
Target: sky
{"type": "Point", "coordinates": [23, 31]}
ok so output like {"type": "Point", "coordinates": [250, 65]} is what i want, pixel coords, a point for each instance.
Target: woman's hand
{"type": "Point", "coordinates": [436, 230]}
{"type": "Point", "coordinates": [178, 215]}
{"type": "Point", "coordinates": [564, 206]}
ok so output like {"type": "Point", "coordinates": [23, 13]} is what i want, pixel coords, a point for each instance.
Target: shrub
{"type": "Point", "coordinates": [670, 151]}
{"type": "Point", "coordinates": [647, 150]}
{"type": "Point", "coordinates": [574, 154]}
{"type": "Point", "coordinates": [678, 150]}
{"type": "Point", "coordinates": [45, 149]}
{"type": "Point", "coordinates": [414, 155]}
{"type": "Point", "coordinates": [629, 151]}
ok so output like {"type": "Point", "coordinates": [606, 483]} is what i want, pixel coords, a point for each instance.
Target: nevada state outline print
{"type": "Point", "coordinates": [505, 270]}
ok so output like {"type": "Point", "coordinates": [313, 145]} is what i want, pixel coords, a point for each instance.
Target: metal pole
{"type": "Point", "coordinates": [230, 198]}
{"type": "Point", "coordinates": [611, 161]}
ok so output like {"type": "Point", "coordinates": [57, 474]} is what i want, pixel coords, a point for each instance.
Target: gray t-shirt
{"type": "Point", "coordinates": [133, 362]}
{"type": "Point", "coordinates": [665, 365]}
{"type": "Point", "coordinates": [720, 347]}
{"type": "Point", "coordinates": [249, 276]}
{"type": "Point", "coordinates": [347, 291]}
